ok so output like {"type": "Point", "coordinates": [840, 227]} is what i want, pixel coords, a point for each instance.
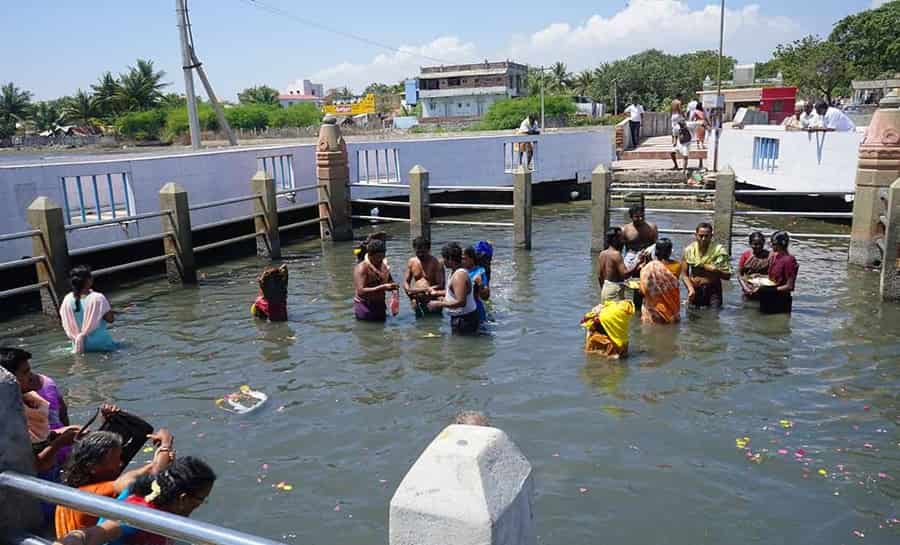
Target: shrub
{"type": "Point", "coordinates": [249, 116]}
{"type": "Point", "coordinates": [509, 113]}
{"type": "Point", "coordinates": [296, 115]}
{"type": "Point", "coordinates": [177, 120]}
{"type": "Point", "coordinates": [146, 125]}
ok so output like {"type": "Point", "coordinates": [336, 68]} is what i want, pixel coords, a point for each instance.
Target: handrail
{"type": "Point", "coordinates": [381, 186]}
{"type": "Point", "coordinates": [223, 202]}
{"type": "Point", "coordinates": [23, 289]}
{"type": "Point", "coordinates": [126, 219]}
{"type": "Point", "coordinates": [378, 201]}
{"type": "Point", "coordinates": [220, 223]}
{"type": "Point", "coordinates": [509, 189]}
{"type": "Point", "coordinates": [158, 522]}
{"type": "Point", "coordinates": [481, 223]}
{"type": "Point", "coordinates": [22, 262]}
{"type": "Point", "coordinates": [298, 189]}
{"type": "Point", "coordinates": [303, 223]}
{"type": "Point", "coordinates": [380, 218]}
{"type": "Point", "coordinates": [23, 234]}
{"type": "Point", "coordinates": [668, 210]}
{"type": "Point", "coordinates": [471, 206]}
{"type": "Point", "coordinates": [776, 193]}
{"type": "Point", "coordinates": [120, 243]}
{"type": "Point", "coordinates": [226, 242]}
{"type": "Point", "coordinates": [662, 191]}
{"type": "Point", "coordinates": [794, 214]}
{"type": "Point", "coordinates": [131, 265]}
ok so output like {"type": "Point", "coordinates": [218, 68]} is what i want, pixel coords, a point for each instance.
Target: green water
{"type": "Point", "coordinates": [634, 452]}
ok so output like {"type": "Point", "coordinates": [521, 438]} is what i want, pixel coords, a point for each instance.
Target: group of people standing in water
{"type": "Point", "coordinates": [426, 282]}
{"type": "Point", "coordinates": [637, 273]}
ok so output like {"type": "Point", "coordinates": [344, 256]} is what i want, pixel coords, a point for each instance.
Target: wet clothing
{"type": "Point", "coordinates": [612, 291]}
{"type": "Point", "coordinates": [606, 328]}
{"type": "Point", "coordinates": [662, 298]}
{"type": "Point", "coordinates": [68, 519]}
{"type": "Point", "coordinates": [373, 308]}
{"type": "Point", "coordinates": [271, 301]}
{"type": "Point", "coordinates": [368, 310]}
{"type": "Point", "coordinates": [464, 319]}
{"type": "Point", "coordinates": [479, 304]}
{"type": "Point", "coordinates": [136, 536]}
{"type": "Point", "coordinates": [50, 392]}
{"type": "Point", "coordinates": [708, 291]}
{"type": "Point", "coordinates": [85, 325]}
{"type": "Point", "coordinates": [783, 268]}
{"type": "Point", "coordinates": [750, 264]}
{"type": "Point", "coordinates": [275, 312]}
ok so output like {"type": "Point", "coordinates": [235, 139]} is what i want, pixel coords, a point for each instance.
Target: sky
{"type": "Point", "coordinates": [54, 47]}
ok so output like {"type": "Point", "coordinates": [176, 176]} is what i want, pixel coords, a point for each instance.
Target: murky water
{"type": "Point", "coordinates": [639, 451]}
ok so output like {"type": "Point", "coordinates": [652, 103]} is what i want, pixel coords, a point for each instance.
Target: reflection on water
{"type": "Point", "coordinates": [651, 437]}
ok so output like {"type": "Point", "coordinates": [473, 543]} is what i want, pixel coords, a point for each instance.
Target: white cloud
{"type": "Point", "coordinates": [393, 67]}
{"type": "Point", "coordinates": [669, 25]}
{"type": "Point", "coordinates": [879, 3]}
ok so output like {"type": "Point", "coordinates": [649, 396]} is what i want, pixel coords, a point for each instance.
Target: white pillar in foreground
{"type": "Point", "coordinates": [471, 486]}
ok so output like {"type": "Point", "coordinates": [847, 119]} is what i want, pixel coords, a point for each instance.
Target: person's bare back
{"type": "Point", "coordinates": [610, 266]}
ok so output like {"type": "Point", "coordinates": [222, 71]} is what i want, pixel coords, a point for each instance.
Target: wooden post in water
{"type": "Point", "coordinates": [890, 279]}
{"type": "Point", "coordinates": [419, 201]}
{"type": "Point", "coordinates": [333, 175]}
{"type": "Point", "coordinates": [724, 212]}
{"type": "Point", "coordinates": [180, 263]}
{"type": "Point", "coordinates": [46, 216]}
{"type": "Point", "coordinates": [522, 207]}
{"type": "Point", "coordinates": [265, 216]}
{"type": "Point", "coordinates": [600, 182]}
{"type": "Point", "coordinates": [879, 166]}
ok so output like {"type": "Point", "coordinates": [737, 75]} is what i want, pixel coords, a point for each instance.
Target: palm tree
{"type": "Point", "coordinates": [533, 81]}
{"type": "Point", "coordinates": [583, 83]}
{"type": "Point", "coordinates": [46, 115]}
{"type": "Point", "coordinates": [172, 100]}
{"type": "Point", "coordinates": [82, 110]}
{"type": "Point", "coordinates": [105, 92]}
{"type": "Point", "coordinates": [559, 76]}
{"type": "Point", "coordinates": [141, 87]}
{"type": "Point", "coordinates": [262, 94]}
{"type": "Point", "coordinates": [14, 107]}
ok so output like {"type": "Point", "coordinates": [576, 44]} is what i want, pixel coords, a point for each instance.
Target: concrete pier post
{"type": "Point", "coordinates": [879, 166]}
{"type": "Point", "coordinates": [46, 216]}
{"type": "Point", "coordinates": [723, 216]}
{"type": "Point", "coordinates": [419, 201]}
{"type": "Point", "coordinates": [180, 265]}
{"type": "Point", "coordinates": [333, 175]}
{"type": "Point", "coordinates": [890, 278]}
{"type": "Point", "coordinates": [522, 207]}
{"type": "Point", "coordinates": [471, 486]}
{"type": "Point", "coordinates": [265, 218]}
{"type": "Point", "coordinates": [17, 511]}
{"type": "Point", "coordinates": [601, 179]}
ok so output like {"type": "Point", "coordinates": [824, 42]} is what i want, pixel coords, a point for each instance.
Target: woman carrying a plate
{"type": "Point", "coordinates": [777, 298]}
{"type": "Point", "coordinates": [753, 265]}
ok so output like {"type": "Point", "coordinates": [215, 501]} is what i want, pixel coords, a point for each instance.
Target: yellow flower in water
{"type": "Point", "coordinates": [823, 472]}
{"type": "Point", "coordinates": [742, 442]}
{"type": "Point", "coordinates": [786, 424]}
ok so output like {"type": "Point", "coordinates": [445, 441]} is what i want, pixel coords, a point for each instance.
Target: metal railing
{"type": "Point", "coordinates": [24, 262]}
{"type": "Point", "coordinates": [380, 202]}
{"type": "Point", "coordinates": [232, 240]}
{"type": "Point", "coordinates": [157, 522]}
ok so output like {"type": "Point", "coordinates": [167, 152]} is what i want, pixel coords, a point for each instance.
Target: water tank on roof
{"type": "Point", "coordinates": [744, 74]}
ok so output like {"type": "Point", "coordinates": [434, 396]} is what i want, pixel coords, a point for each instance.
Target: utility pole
{"type": "Point", "coordinates": [189, 62]}
{"type": "Point", "coordinates": [542, 98]}
{"type": "Point", "coordinates": [720, 104]}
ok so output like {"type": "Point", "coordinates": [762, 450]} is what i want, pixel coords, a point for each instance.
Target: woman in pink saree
{"type": "Point", "coordinates": [85, 313]}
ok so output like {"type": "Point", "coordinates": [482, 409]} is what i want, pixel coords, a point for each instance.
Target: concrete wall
{"type": "Point", "coordinates": [458, 106]}
{"type": "Point", "coordinates": [220, 174]}
{"type": "Point", "coordinates": [806, 161]}
{"type": "Point", "coordinates": [16, 510]}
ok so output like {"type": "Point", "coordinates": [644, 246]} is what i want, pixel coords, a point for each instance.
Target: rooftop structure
{"type": "Point", "coordinates": [302, 91]}
{"type": "Point", "coordinates": [468, 90]}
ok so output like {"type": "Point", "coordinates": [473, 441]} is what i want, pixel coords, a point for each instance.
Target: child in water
{"type": "Point", "coordinates": [271, 302]}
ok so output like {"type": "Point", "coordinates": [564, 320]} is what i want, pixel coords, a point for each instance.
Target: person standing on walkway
{"type": "Point", "coordinates": [635, 117]}
{"type": "Point", "coordinates": [702, 125]}
{"type": "Point", "coordinates": [459, 297]}
{"type": "Point", "coordinates": [529, 126]}
{"type": "Point", "coordinates": [705, 264]}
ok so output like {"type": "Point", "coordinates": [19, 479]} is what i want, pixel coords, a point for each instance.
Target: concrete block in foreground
{"type": "Point", "coordinates": [17, 511]}
{"type": "Point", "coordinates": [471, 486]}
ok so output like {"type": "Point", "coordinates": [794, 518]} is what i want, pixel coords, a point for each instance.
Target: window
{"type": "Point", "coordinates": [765, 153]}
{"type": "Point", "coordinates": [459, 105]}
{"type": "Point", "coordinates": [280, 168]}
{"type": "Point", "coordinates": [453, 82]}
{"type": "Point", "coordinates": [97, 197]}
{"type": "Point", "coordinates": [378, 166]}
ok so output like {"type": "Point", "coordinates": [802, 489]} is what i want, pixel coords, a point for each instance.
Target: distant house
{"type": "Point", "coordinates": [302, 91]}
{"type": "Point", "coordinates": [468, 90]}
{"type": "Point", "coordinates": [746, 91]}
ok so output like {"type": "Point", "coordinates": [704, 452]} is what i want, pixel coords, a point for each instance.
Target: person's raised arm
{"type": "Point", "coordinates": [686, 279]}
{"type": "Point", "coordinates": [46, 458]}
{"type": "Point", "coordinates": [164, 455]}
{"type": "Point", "coordinates": [408, 278]}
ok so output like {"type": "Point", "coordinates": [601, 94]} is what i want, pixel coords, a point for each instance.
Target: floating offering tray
{"type": "Point", "coordinates": [243, 401]}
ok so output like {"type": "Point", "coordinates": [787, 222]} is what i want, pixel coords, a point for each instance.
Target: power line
{"type": "Point", "coordinates": [278, 11]}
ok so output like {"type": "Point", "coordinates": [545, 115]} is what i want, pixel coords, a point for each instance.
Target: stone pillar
{"type": "Point", "coordinates": [600, 182]}
{"type": "Point", "coordinates": [17, 511]}
{"type": "Point", "coordinates": [522, 207]}
{"type": "Point", "coordinates": [419, 201]}
{"type": "Point", "coordinates": [890, 279]}
{"type": "Point", "coordinates": [180, 265]}
{"type": "Point", "coordinates": [471, 486]}
{"type": "Point", "coordinates": [333, 173]}
{"type": "Point", "coordinates": [724, 211]}
{"type": "Point", "coordinates": [47, 217]}
{"type": "Point", "coordinates": [265, 219]}
{"type": "Point", "coordinates": [879, 166]}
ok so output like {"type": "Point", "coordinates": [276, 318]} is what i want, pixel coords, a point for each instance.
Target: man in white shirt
{"type": "Point", "coordinates": [529, 125]}
{"type": "Point", "coordinates": [809, 119]}
{"type": "Point", "coordinates": [635, 115]}
{"type": "Point", "coordinates": [691, 108]}
{"type": "Point", "coordinates": [833, 119]}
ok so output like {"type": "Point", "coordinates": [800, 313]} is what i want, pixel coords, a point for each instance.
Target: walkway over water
{"type": "Point", "coordinates": [638, 451]}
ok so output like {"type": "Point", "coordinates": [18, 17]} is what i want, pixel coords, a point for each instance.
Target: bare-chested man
{"type": "Point", "coordinates": [611, 269]}
{"type": "Point", "coordinates": [424, 274]}
{"type": "Point", "coordinates": [639, 235]}
{"type": "Point", "coordinates": [372, 279]}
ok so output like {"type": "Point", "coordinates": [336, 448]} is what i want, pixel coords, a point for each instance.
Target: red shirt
{"type": "Point", "coordinates": [783, 268]}
{"type": "Point", "coordinates": [132, 535]}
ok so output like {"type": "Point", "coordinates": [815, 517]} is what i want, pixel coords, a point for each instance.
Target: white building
{"type": "Point", "coordinates": [302, 90]}
{"type": "Point", "coordinates": [468, 90]}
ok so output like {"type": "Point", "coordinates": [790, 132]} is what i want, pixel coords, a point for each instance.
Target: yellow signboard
{"type": "Point", "coordinates": [364, 106]}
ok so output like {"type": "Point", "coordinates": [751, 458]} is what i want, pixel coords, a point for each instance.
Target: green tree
{"type": "Point", "coordinates": [534, 79]}
{"type": "Point", "coordinates": [173, 100]}
{"type": "Point", "coordinates": [871, 40]}
{"type": "Point", "coordinates": [46, 115]}
{"type": "Point", "coordinates": [583, 83]}
{"type": "Point", "coordinates": [106, 91]}
{"type": "Point", "coordinates": [262, 94]}
{"type": "Point", "coordinates": [249, 116]}
{"type": "Point", "coordinates": [145, 125]}
{"type": "Point", "coordinates": [509, 113]}
{"type": "Point", "coordinates": [81, 109]}
{"type": "Point", "coordinates": [295, 115]}
{"type": "Point", "coordinates": [177, 124]}
{"type": "Point", "coordinates": [815, 66]}
{"type": "Point", "coordinates": [559, 77]}
{"type": "Point", "coordinates": [15, 105]}
{"type": "Point", "coordinates": [141, 87]}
